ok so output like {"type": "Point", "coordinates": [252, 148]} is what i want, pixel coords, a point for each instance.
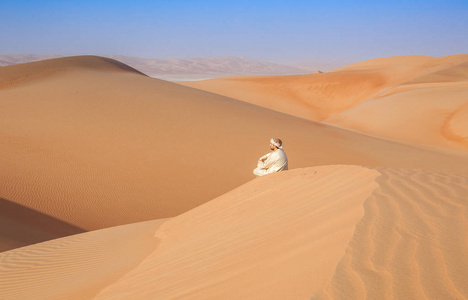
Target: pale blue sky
{"type": "Point", "coordinates": [269, 30]}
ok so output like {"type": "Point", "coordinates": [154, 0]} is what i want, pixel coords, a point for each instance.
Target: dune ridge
{"type": "Point", "coordinates": [411, 243]}
{"type": "Point", "coordinates": [312, 96]}
{"type": "Point", "coordinates": [455, 127]}
{"type": "Point", "coordinates": [21, 74]}
{"type": "Point", "coordinates": [77, 266]}
{"type": "Point", "coordinates": [426, 116]}
{"type": "Point", "coordinates": [414, 92]}
{"type": "Point", "coordinates": [193, 67]}
{"type": "Point", "coordinates": [102, 145]}
{"type": "Point", "coordinates": [232, 247]}
{"type": "Point", "coordinates": [22, 226]}
{"type": "Point", "coordinates": [427, 110]}
{"type": "Point", "coordinates": [315, 233]}
{"type": "Point", "coordinates": [319, 96]}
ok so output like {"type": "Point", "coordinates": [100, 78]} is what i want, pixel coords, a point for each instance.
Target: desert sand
{"type": "Point", "coordinates": [411, 99]}
{"type": "Point", "coordinates": [115, 185]}
{"type": "Point", "coordinates": [335, 232]}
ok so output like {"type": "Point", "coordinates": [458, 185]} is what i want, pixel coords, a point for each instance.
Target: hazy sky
{"type": "Point", "coordinates": [269, 30]}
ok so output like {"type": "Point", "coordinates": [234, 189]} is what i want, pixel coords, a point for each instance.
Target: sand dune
{"type": "Point", "coordinates": [90, 143]}
{"type": "Point", "coordinates": [94, 143]}
{"type": "Point", "coordinates": [429, 114]}
{"type": "Point", "coordinates": [428, 110]}
{"type": "Point", "coordinates": [316, 233]}
{"type": "Point", "coordinates": [318, 96]}
{"type": "Point", "coordinates": [404, 98]}
{"type": "Point", "coordinates": [411, 243]}
{"type": "Point", "coordinates": [313, 96]}
{"type": "Point", "coordinates": [13, 59]}
{"type": "Point", "coordinates": [77, 266]}
{"type": "Point", "coordinates": [193, 67]}
{"type": "Point", "coordinates": [24, 74]}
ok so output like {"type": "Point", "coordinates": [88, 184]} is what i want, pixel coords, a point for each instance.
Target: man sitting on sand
{"type": "Point", "coordinates": [274, 161]}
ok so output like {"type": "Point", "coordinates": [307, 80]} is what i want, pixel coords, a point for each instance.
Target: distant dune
{"type": "Point", "coordinates": [430, 109]}
{"type": "Point", "coordinates": [94, 143]}
{"type": "Point", "coordinates": [411, 99]}
{"type": "Point", "coordinates": [207, 66]}
{"type": "Point", "coordinates": [13, 59]}
{"type": "Point", "coordinates": [334, 232]}
{"type": "Point", "coordinates": [194, 68]}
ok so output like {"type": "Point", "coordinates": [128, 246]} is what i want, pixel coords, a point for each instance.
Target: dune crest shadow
{"type": "Point", "coordinates": [21, 226]}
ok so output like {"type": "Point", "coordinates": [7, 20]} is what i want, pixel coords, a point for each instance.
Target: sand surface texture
{"type": "Point", "coordinates": [332, 232]}
{"type": "Point", "coordinates": [412, 99]}
{"type": "Point", "coordinates": [90, 143]}
{"type": "Point", "coordinates": [115, 185]}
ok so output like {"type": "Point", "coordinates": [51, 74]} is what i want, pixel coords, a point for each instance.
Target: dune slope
{"type": "Point", "coordinates": [412, 99]}
{"type": "Point", "coordinates": [97, 144]}
{"type": "Point", "coordinates": [22, 226]}
{"type": "Point", "coordinates": [412, 242]}
{"type": "Point", "coordinates": [75, 267]}
{"type": "Point", "coordinates": [319, 96]}
{"type": "Point", "coordinates": [312, 96]}
{"type": "Point", "coordinates": [21, 74]}
{"type": "Point", "coordinates": [316, 233]}
{"type": "Point", "coordinates": [427, 110]}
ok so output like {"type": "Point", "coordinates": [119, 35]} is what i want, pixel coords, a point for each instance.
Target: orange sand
{"type": "Point", "coordinates": [343, 232]}
{"type": "Point", "coordinates": [89, 143]}
{"type": "Point", "coordinates": [411, 99]}
{"type": "Point", "coordinates": [93, 143]}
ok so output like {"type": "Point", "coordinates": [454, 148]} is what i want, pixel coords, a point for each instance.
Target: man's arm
{"type": "Point", "coordinates": [269, 161]}
{"type": "Point", "coordinates": [264, 157]}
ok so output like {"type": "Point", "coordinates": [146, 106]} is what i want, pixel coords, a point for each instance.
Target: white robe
{"type": "Point", "coordinates": [275, 161]}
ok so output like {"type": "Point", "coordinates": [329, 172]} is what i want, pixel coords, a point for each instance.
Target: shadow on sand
{"type": "Point", "coordinates": [21, 226]}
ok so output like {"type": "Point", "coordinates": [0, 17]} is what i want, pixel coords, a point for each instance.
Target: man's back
{"type": "Point", "coordinates": [279, 161]}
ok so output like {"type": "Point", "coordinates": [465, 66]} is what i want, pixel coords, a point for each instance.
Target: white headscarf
{"type": "Point", "coordinates": [272, 141]}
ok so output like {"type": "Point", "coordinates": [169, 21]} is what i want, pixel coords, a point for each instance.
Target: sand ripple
{"type": "Point", "coordinates": [334, 232]}
{"type": "Point", "coordinates": [77, 266]}
{"type": "Point", "coordinates": [412, 242]}
{"type": "Point", "coordinates": [99, 145]}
